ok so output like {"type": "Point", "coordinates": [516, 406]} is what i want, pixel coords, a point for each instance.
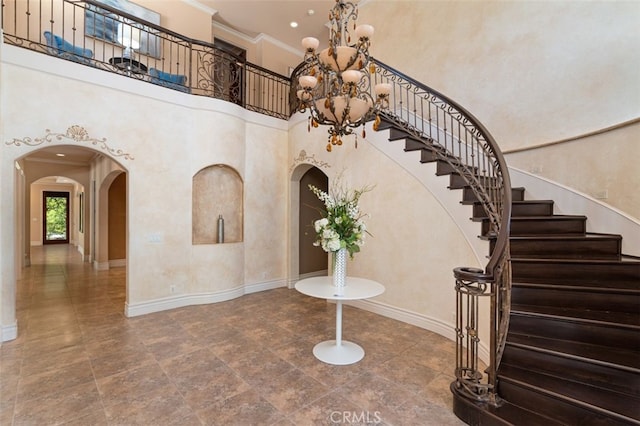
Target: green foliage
{"type": "Point", "coordinates": [56, 219]}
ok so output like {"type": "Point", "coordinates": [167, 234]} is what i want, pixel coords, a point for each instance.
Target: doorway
{"type": "Point", "coordinates": [55, 214]}
{"type": "Point", "coordinates": [228, 74]}
{"type": "Point", "coordinates": [312, 259]}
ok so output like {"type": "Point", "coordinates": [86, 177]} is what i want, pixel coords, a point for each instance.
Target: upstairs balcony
{"type": "Point", "coordinates": [133, 44]}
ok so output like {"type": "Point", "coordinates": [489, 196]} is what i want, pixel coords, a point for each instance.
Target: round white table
{"type": "Point", "coordinates": [338, 351]}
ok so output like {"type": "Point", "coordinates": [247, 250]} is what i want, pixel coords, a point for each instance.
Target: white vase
{"type": "Point", "coordinates": [339, 267]}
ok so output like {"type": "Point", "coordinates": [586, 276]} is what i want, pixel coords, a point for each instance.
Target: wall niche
{"type": "Point", "coordinates": [217, 191]}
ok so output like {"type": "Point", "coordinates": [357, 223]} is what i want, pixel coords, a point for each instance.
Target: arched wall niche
{"type": "Point", "coordinates": [217, 192]}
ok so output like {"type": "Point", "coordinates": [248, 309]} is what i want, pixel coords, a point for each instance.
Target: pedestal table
{"type": "Point", "coordinates": [338, 351]}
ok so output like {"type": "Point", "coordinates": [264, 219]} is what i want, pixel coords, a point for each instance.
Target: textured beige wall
{"type": "Point", "coordinates": [531, 71]}
{"type": "Point", "coordinates": [415, 243]}
{"type": "Point", "coordinates": [181, 17]}
{"type": "Point", "coordinates": [170, 136]}
{"type": "Point", "coordinates": [603, 166]}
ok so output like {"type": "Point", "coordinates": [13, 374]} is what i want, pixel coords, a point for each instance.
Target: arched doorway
{"type": "Point", "coordinates": [83, 170]}
{"type": "Point", "coordinates": [312, 260]}
{"type": "Point", "coordinates": [306, 260]}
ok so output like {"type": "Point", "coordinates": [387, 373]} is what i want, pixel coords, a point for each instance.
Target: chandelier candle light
{"type": "Point", "coordinates": [337, 89]}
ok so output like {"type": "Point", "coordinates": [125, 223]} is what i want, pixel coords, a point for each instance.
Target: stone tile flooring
{"type": "Point", "coordinates": [79, 361]}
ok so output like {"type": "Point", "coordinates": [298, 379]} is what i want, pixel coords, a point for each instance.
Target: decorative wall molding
{"type": "Point", "coordinates": [74, 133]}
{"type": "Point", "coordinates": [304, 158]}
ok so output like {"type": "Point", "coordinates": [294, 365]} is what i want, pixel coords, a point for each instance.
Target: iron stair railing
{"type": "Point", "coordinates": [456, 137]}
{"type": "Point", "coordinates": [96, 37]}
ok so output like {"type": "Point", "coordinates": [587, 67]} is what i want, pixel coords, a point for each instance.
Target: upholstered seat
{"type": "Point", "coordinates": [59, 46]}
{"type": "Point", "coordinates": [172, 81]}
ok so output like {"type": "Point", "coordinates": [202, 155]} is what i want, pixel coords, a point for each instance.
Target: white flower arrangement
{"type": "Point", "coordinates": [343, 225]}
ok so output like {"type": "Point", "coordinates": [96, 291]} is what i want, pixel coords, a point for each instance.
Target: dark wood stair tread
{"type": "Point", "coordinates": [574, 337]}
{"type": "Point", "coordinates": [611, 319]}
{"type": "Point", "coordinates": [517, 415]}
{"type": "Point", "coordinates": [624, 359]}
{"type": "Point", "coordinates": [555, 217]}
{"type": "Point", "coordinates": [576, 287]}
{"type": "Point", "coordinates": [560, 237]}
{"type": "Point", "coordinates": [599, 400]}
{"type": "Point", "coordinates": [624, 273]}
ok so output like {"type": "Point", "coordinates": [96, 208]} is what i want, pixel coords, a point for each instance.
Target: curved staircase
{"type": "Point", "coordinates": [572, 352]}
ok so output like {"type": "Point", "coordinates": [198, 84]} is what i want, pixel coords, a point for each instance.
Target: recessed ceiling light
{"type": "Point", "coordinates": [293, 24]}
{"type": "Point", "coordinates": [310, 12]}
{"type": "Point", "coordinates": [60, 154]}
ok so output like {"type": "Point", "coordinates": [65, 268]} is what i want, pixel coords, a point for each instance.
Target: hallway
{"type": "Point", "coordinates": [79, 361]}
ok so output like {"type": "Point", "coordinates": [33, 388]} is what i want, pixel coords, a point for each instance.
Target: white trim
{"type": "Point", "coordinates": [180, 301]}
{"type": "Point", "coordinates": [279, 44]}
{"type": "Point", "coordinates": [257, 39]}
{"type": "Point", "coordinates": [291, 282]}
{"type": "Point", "coordinates": [9, 332]}
{"type": "Point", "coordinates": [267, 285]}
{"type": "Point", "coordinates": [321, 273]}
{"type": "Point", "coordinates": [100, 266]}
{"type": "Point", "coordinates": [419, 320]}
{"type": "Point", "coordinates": [117, 263]}
{"type": "Point", "coordinates": [603, 218]}
{"type": "Point", "coordinates": [200, 6]}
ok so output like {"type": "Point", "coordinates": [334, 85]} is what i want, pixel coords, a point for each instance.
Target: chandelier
{"type": "Point", "coordinates": [336, 89]}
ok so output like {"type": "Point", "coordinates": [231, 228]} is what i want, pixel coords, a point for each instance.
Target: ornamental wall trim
{"type": "Point", "coordinates": [304, 158]}
{"type": "Point", "coordinates": [74, 133]}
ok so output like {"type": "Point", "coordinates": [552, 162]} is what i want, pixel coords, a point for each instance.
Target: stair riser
{"type": "Point", "coordinates": [444, 168]}
{"type": "Point", "coordinates": [608, 275]}
{"type": "Point", "coordinates": [457, 182]}
{"type": "Point", "coordinates": [542, 227]}
{"type": "Point", "coordinates": [559, 410]}
{"type": "Point", "coordinates": [395, 134]}
{"type": "Point", "coordinates": [517, 210]}
{"type": "Point", "coordinates": [601, 248]}
{"type": "Point", "coordinates": [469, 197]}
{"type": "Point", "coordinates": [532, 209]}
{"type": "Point", "coordinates": [575, 299]}
{"type": "Point", "coordinates": [596, 334]}
{"type": "Point", "coordinates": [578, 371]}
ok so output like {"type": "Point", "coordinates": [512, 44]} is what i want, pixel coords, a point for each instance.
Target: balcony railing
{"type": "Point", "coordinates": [98, 35]}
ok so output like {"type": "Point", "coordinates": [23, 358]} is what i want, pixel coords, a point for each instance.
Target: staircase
{"type": "Point", "coordinates": [572, 353]}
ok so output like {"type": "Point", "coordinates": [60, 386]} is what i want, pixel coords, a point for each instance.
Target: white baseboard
{"type": "Point", "coordinates": [117, 263]}
{"type": "Point", "coordinates": [180, 301]}
{"type": "Point", "coordinates": [291, 283]}
{"type": "Point", "coordinates": [9, 332]}
{"type": "Point", "coordinates": [266, 285]}
{"type": "Point", "coordinates": [100, 266]}
{"type": "Point", "coordinates": [432, 324]}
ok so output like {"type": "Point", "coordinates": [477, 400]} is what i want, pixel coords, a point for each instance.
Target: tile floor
{"type": "Point", "coordinates": [79, 361]}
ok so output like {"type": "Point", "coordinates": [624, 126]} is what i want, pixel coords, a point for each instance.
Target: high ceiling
{"type": "Point", "coordinates": [273, 18]}
{"type": "Point", "coordinates": [250, 17]}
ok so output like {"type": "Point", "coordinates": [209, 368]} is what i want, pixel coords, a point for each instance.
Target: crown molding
{"type": "Point", "coordinates": [257, 39]}
{"type": "Point", "coordinates": [200, 6]}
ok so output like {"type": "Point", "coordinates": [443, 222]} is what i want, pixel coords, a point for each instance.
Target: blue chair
{"type": "Point", "coordinates": [172, 81]}
{"type": "Point", "coordinates": [59, 46]}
